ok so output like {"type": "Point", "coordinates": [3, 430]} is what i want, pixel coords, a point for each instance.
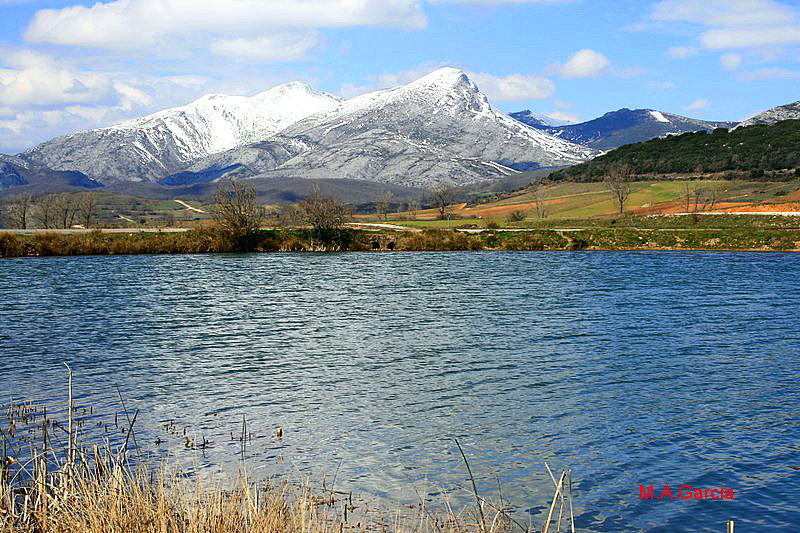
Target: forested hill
{"type": "Point", "coordinates": [750, 151]}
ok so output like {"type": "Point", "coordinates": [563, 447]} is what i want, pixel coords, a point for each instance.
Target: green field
{"type": "Point", "coordinates": [570, 201]}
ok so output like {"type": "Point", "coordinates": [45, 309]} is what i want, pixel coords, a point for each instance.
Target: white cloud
{"type": "Point", "coordinates": [500, 2]}
{"type": "Point", "coordinates": [281, 46]}
{"type": "Point", "coordinates": [387, 80]}
{"type": "Point", "coordinates": [514, 87]}
{"type": "Point", "coordinates": [732, 24]}
{"type": "Point", "coordinates": [145, 24]}
{"type": "Point", "coordinates": [681, 52]}
{"type": "Point", "coordinates": [775, 73]}
{"type": "Point", "coordinates": [750, 37]}
{"type": "Point", "coordinates": [698, 104]}
{"type": "Point", "coordinates": [34, 80]}
{"type": "Point", "coordinates": [660, 85]}
{"type": "Point", "coordinates": [585, 63]}
{"type": "Point", "coordinates": [730, 61]}
{"type": "Point", "coordinates": [723, 12]}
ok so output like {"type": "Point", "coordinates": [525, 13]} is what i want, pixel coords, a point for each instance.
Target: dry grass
{"type": "Point", "coordinates": [51, 483]}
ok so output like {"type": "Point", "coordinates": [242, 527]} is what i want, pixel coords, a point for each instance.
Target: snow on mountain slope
{"type": "Point", "coordinates": [439, 128]}
{"type": "Point", "coordinates": [539, 119]}
{"type": "Point", "coordinates": [776, 114]}
{"type": "Point", "coordinates": [166, 142]}
{"type": "Point", "coordinates": [626, 126]}
{"type": "Point", "coordinates": [659, 116]}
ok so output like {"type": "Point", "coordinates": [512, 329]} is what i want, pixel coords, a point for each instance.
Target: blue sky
{"type": "Point", "coordinates": [67, 65]}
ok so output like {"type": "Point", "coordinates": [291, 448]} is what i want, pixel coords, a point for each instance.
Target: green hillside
{"type": "Point", "coordinates": [755, 152]}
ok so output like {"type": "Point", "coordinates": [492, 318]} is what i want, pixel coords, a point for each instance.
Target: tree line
{"type": "Point", "coordinates": [49, 211]}
{"type": "Point", "coordinates": [753, 152]}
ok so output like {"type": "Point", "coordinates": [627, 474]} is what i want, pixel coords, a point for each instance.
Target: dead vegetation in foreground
{"type": "Point", "coordinates": [52, 483]}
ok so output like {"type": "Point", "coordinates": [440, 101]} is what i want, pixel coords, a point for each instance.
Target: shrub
{"type": "Point", "coordinates": [11, 246]}
{"type": "Point", "coordinates": [516, 216]}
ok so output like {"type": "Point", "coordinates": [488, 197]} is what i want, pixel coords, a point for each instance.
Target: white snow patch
{"type": "Point", "coordinates": [659, 116]}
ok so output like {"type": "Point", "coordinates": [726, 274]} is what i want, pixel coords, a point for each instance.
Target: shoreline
{"type": "Point", "coordinates": [38, 243]}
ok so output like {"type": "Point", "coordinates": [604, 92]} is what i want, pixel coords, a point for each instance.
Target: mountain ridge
{"type": "Point", "coordinates": [437, 129]}
{"type": "Point", "coordinates": [625, 126]}
{"type": "Point", "coordinates": [151, 147]}
{"type": "Point", "coordinates": [773, 115]}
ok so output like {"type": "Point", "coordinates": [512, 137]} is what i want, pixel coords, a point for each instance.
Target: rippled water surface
{"type": "Point", "coordinates": [629, 368]}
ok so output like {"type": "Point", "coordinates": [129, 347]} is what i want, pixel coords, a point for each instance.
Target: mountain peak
{"type": "Point", "coordinates": [443, 77]}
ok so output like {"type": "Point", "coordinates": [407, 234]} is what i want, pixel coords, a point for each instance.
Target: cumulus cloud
{"type": "Point", "coordinates": [698, 104]}
{"type": "Point", "coordinates": [730, 61]}
{"type": "Point", "coordinates": [128, 24]}
{"type": "Point", "coordinates": [514, 87]}
{"type": "Point", "coordinates": [34, 80]}
{"type": "Point", "coordinates": [585, 63]}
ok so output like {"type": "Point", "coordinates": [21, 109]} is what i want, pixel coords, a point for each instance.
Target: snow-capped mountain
{"type": "Point", "coordinates": [625, 126]}
{"type": "Point", "coordinates": [532, 118]}
{"type": "Point", "coordinates": [439, 128]}
{"type": "Point", "coordinates": [18, 175]}
{"type": "Point", "coordinates": [776, 114]}
{"type": "Point", "coordinates": [149, 148]}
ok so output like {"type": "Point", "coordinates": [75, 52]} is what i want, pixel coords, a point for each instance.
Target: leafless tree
{"type": "Point", "coordinates": [704, 199]}
{"type": "Point", "coordinates": [325, 214]}
{"type": "Point", "coordinates": [169, 219]}
{"type": "Point", "coordinates": [236, 212]}
{"type": "Point", "coordinates": [688, 195]}
{"type": "Point", "coordinates": [412, 207]}
{"type": "Point", "coordinates": [66, 208]}
{"type": "Point", "coordinates": [384, 203]}
{"type": "Point", "coordinates": [18, 210]}
{"type": "Point", "coordinates": [618, 180]}
{"type": "Point", "coordinates": [710, 198]}
{"type": "Point", "coordinates": [86, 205]}
{"type": "Point", "coordinates": [538, 199]}
{"type": "Point", "coordinates": [46, 212]}
{"type": "Point", "coordinates": [442, 196]}
{"type": "Point", "coordinates": [290, 215]}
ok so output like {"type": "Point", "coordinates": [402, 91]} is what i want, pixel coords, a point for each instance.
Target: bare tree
{"type": "Point", "coordinates": [703, 199]}
{"type": "Point", "coordinates": [538, 199]}
{"type": "Point", "coordinates": [384, 204]}
{"type": "Point", "coordinates": [86, 205]}
{"type": "Point", "coordinates": [18, 209]}
{"type": "Point", "coordinates": [168, 219]}
{"type": "Point", "coordinates": [46, 212]}
{"type": "Point", "coordinates": [290, 215]}
{"type": "Point", "coordinates": [325, 214]}
{"type": "Point", "coordinates": [412, 207]}
{"type": "Point", "coordinates": [66, 208]}
{"type": "Point", "coordinates": [688, 194]}
{"type": "Point", "coordinates": [442, 196]}
{"type": "Point", "coordinates": [618, 180]}
{"type": "Point", "coordinates": [236, 212]}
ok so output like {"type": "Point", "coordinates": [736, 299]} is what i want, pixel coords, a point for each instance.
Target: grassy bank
{"type": "Point", "coordinates": [632, 233]}
{"type": "Point", "coordinates": [52, 481]}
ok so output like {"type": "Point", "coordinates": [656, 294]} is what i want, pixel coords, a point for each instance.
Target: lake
{"type": "Point", "coordinates": [631, 369]}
